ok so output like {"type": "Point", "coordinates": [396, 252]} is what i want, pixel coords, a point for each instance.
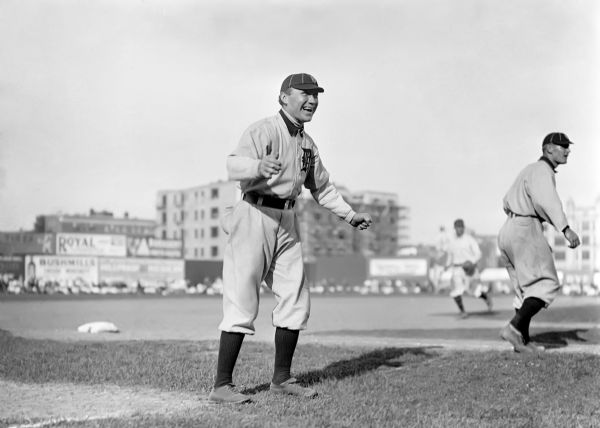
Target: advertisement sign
{"type": "Point", "coordinates": [85, 244]}
{"type": "Point", "coordinates": [11, 266]}
{"type": "Point", "coordinates": [64, 270]}
{"type": "Point", "coordinates": [146, 271]}
{"type": "Point", "coordinates": [153, 247]}
{"type": "Point", "coordinates": [14, 243]}
{"type": "Point", "coordinates": [398, 267]}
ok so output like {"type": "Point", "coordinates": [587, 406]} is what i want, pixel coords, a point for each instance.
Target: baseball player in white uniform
{"type": "Point", "coordinates": [463, 255]}
{"type": "Point", "coordinates": [273, 160]}
{"type": "Point", "coordinates": [531, 200]}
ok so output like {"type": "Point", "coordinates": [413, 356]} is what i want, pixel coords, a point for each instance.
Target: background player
{"type": "Point", "coordinates": [463, 255]}
{"type": "Point", "coordinates": [273, 160]}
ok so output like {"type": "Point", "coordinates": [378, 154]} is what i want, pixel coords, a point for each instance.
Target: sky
{"type": "Point", "coordinates": [104, 103]}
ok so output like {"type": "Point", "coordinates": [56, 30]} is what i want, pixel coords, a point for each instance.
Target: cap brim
{"type": "Point", "coordinates": [309, 88]}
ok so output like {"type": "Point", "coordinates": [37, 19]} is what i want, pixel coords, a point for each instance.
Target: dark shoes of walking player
{"type": "Point", "coordinates": [515, 338]}
{"type": "Point", "coordinates": [291, 387]}
{"type": "Point", "coordinates": [227, 394]}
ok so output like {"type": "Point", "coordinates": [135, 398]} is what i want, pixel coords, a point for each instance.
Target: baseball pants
{"type": "Point", "coordinates": [461, 283]}
{"type": "Point", "coordinates": [263, 246]}
{"type": "Point", "coordinates": [528, 259]}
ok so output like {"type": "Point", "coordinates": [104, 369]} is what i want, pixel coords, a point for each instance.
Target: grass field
{"type": "Point", "coordinates": [164, 383]}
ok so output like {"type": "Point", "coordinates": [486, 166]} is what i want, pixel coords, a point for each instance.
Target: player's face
{"type": "Point", "coordinates": [459, 230]}
{"type": "Point", "coordinates": [300, 105]}
{"type": "Point", "coordinates": [559, 154]}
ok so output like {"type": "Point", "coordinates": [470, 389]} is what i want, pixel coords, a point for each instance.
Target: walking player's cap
{"type": "Point", "coordinates": [459, 222]}
{"type": "Point", "coordinates": [301, 81]}
{"type": "Point", "coordinates": [557, 138]}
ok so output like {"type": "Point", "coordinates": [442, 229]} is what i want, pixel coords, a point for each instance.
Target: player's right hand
{"type": "Point", "coordinates": [269, 166]}
{"type": "Point", "coordinates": [572, 238]}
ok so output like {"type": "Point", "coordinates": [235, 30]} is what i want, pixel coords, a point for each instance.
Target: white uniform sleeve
{"type": "Point", "coordinates": [475, 250]}
{"type": "Point", "coordinates": [542, 188]}
{"type": "Point", "coordinates": [243, 163]}
{"type": "Point", "coordinates": [324, 191]}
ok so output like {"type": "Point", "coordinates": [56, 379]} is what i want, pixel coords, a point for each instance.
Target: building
{"type": "Point", "coordinates": [324, 234]}
{"type": "Point", "coordinates": [193, 216]}
{"type": "Point", "coordinates": [96, 222]}
{"type": "Point", "coordinates": [580, 264]}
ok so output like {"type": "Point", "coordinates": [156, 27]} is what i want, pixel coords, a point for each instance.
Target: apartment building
{"type": "Point", "coordinates": [193, 215]}
{"type": "Point", "coordinates": [581, 263]}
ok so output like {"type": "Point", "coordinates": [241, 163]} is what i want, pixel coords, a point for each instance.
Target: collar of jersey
{"type": "Point", "coordinates": [545, 159]}
{"type": "Point", "coordinates": [291, 126]}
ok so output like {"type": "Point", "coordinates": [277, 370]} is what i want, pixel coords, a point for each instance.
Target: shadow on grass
{"type": "Point", "coordinates": [386, 357]}
{"type": "Point", "coordinates": [559, 339]}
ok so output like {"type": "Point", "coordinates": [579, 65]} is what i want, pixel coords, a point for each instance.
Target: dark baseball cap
{"type": "Point", "coordinates": [302, 81]}
{"type": "Point", "coordinates": [557, 138]}
{"type": "Point", "coordinates": [459, 222]}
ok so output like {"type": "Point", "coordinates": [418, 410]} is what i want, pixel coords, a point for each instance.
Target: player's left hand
{"type": "Point", "coordinates": [361, 221]}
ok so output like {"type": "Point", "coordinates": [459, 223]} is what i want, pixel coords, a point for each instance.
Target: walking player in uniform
{"type": "Point", "coordinates": [273, 160]}
{"type": "Point", "coordinates": [463, 255]}
{"type": "Point", "coordinates": [531, 200]}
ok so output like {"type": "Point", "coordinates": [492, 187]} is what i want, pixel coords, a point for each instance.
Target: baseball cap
{"type": "Point", "coordinates": [302, 81]}
{"type": "Point", "coordinates": [459, 223]}
{"type": "Point", "coordinates": [557, 138]}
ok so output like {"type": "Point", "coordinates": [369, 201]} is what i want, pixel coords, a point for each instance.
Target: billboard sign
{"type": "Point", "coordinates": [85, 244]}
{"type": "Point", "coordinates": [398, 267]}
{"type": "Point", "coordinates": [61, 269]}
{"type": "Point", "coordinates": [153, 247]}
{"type": "Point", "coordinates": [15, 243]}
{"type": "Point", "coordinates": [147, 271]}
{"type": "Point", "coordinates": [11, 266]}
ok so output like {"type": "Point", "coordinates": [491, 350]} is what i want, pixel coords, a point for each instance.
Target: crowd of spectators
{"type": "Point", "coordinates": [214, 286]}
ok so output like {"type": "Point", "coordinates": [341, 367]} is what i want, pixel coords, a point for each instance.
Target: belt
{"type": "Point", "coordinates": [513, 215]}
{"type": "Point", "coordinates": [269, 201]}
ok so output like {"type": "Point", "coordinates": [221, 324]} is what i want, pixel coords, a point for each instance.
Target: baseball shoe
{"type": "Point", "coordinates": [227, 394]}
{"type": "Point", "coordinates": [515, 338]}
{"type": "Point", "coordinates": [291, 387]}
{"type": "Point", "coordinates": [489, 304]}
{"type": "Point", "coordinates": [536, 348]}
{"type": "Point", "coordinates": [463, 315]}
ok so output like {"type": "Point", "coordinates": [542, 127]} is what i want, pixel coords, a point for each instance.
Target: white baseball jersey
{"type": "Point", "coordinates": [264, 243]}
{"type": "Point", "coordinates": [460, 250]}
{"type": "Point", "coordinates": [523, 247]}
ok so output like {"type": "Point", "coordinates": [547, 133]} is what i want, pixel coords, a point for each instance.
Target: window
{"type": "Point", "coordinates": [175, 235]}
{"type": "Point", "coordinates": [202, 214]}
{"type": "Point", "coordinates": [195, 253]}
{"type": "Point", "coordinates": [214, 193]}
{"type": "Point", "coordinates": [214, 212]}
{"type": "Point", "coordinates": [214, 251]}
{"type": "Point", "coordinates": [196, 215]}
{"type": "Point", "coordinates": [164, 200]}
{"type": "Point", "coordinates": [585, 255]}
{"type": "Point", "coordinates": [214, 232]}
{"type": "Point", "coordinates": [559, 255]}
{"type": "Point", "coordinates": [201, 233]}
{"type": "Point", "coordinates": [559, 241]}
{"type": "Point", "coordinates": [164, 234]}
{"type": "Point", "coordinates": [201, 252]}
{"type": "Point", "coordinates": [585, 240]}
{"type": "Point", "coordinates": [164, 218]}
{"type": "Point", "coordinates": [196, 233]}
{"type": "Point", "coordinates": [585, 225]}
